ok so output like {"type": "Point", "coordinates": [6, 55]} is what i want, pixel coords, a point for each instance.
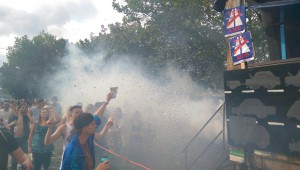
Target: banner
{"type": "Point", "coordinates": [241, 48]}
{"type": "Point", "coordinates": [235, 21]}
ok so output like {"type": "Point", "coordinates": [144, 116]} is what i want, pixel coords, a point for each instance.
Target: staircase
{"type": "Point", "coordinates": [206, 150]}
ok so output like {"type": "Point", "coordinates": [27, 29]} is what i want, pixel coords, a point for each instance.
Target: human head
{"type": "Point", "coordinates": [6, 106]}
{"type": "Point", "coordinates": [54, 99]}
{"type": "Point", "coordinates": [89, 108]}
{"type": "Point", "coordinates": [117, 113]}
{"type": "Point", "coordinates": [44, 114]}
{"type": "Point", "coordinates": [98, 104]}
{"type": "Point", "coordinates": [22, 108]}
{"type": "Point", "coordinates": [22, 101]}
{"type": "Point", "coordinates": [35, 102]}
{"type": "Point", "coordinates": [75, 111]}
{"type": "Point", "coordinates": [41, 103]}
{"type": "Point", "coordinates": [84, 124]}
{"type": "Point", "coordinates": [79, 104]}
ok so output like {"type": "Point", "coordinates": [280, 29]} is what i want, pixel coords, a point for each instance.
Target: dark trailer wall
{"type": "Point", "coordinates": [263, 108]}
{"type": "Point", "coordinates": [263, 100]}
{"type": "Point", "coordinates": [263, 113]}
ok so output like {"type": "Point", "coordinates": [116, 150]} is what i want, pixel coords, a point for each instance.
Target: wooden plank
{"type": "Point", "coordinates": [230, 66]}
{"type": "Point", "coordinates": [232, 3]}
{"type": "Point", "coordinates": [275, 62]}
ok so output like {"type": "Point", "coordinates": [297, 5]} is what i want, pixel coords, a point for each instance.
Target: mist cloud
{"type": "Point", "coordinates": [173, 106]}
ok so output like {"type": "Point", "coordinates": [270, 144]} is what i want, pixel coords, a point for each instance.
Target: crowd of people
{"type": "Point", "coordinates": [32, 127]}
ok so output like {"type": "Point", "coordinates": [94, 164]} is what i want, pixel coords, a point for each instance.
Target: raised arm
{"type": "Point", "coordinates": [56, 116]}
{"type": "Point", "coordinates": [29, 112]}
{"type": "Point", "coordinates": [11, 124]}
{"type": "Point", "coordinates": [63, 120]}
{"type": "Point", "coordinates": [31, 119]}
{"type": "Point", "coordinates": [51, 138]}
{"type": "Point", "coordinates": [102, 108]}
{"type": "Point", "coordinates": [109, 123]}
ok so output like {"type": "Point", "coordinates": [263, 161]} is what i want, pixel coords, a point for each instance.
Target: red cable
{"type": "Point", "coordinates": [122, 157]}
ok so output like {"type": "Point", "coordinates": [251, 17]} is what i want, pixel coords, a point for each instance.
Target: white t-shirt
{"type": "Point", "coordinates": [4, 115]}
{"type": "Point", "coordinates": [68, 133]}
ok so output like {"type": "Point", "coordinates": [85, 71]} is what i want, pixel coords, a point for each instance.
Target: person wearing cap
{"type": "Point", "coordinates": [79, 153]}
{"type": "Point", "coordinates": [65, 129]}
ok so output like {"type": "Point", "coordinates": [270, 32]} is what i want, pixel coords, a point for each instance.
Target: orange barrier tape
{"type": "Point", "coordinates": [122, 157]}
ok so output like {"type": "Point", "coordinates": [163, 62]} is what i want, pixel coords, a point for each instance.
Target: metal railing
{"type": "Point", "coordinates": [222, 132]}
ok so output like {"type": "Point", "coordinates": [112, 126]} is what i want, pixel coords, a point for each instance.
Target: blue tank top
{"type": "Point", "coordinates": [37, 145]}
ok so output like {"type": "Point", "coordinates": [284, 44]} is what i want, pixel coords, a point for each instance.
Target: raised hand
{"type": "Point", "coordinates": [103, 166]}
{"type": "Point", "coordinates": [109, 122]}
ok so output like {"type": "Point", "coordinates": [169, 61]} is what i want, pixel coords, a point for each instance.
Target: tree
{"type": "Point", "coordinates": [186, 34]}
{"type": "Point", "coordinates": [30, 62]}
{"type": "Point", "coordinates": [160, 33]}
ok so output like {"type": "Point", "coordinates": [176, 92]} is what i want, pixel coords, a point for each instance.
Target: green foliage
{"type": "Point", "coordinates": [29, 63]}
{"type": "Point", "coordinates": [156, 34]}
{"type": "Point", "coordinates": [258, 35]}
{"type": "Point", "coordinates": [161, 33]}
{"type": "Point", "coordinates": [183, 33]}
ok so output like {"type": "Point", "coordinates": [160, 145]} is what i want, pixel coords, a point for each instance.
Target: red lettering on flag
{"type": "Point", "coordinates": [242, 56]}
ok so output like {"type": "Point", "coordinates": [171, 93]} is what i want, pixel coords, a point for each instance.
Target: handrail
{"type": "Point", "coordinates": [224, 160]}
{"type": "Point", "coordinates": [205, 149]}
{"type": "Point", "coordinates": [219, 108]}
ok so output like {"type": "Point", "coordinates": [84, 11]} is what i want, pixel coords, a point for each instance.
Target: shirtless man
{"type": "Point", "coordinates": [20, 124]}
{"type": "Point", "coordinates": [10, 146]}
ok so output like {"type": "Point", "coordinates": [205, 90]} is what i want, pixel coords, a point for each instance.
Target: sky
{"type": "Point", "coordinates": [70, 19]}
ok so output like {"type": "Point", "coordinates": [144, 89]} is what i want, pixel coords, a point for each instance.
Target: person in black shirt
{"type": "Point", "coordinates": [8, 145]}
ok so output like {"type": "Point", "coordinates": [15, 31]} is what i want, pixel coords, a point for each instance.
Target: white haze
{"type": "Point", "coordinates": [173, 106]}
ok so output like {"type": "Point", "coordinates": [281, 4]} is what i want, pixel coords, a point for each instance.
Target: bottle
{"type": "Point", "coordinates": [103, 159]}
{"type": "Point", "coordinates": [16, 127]}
